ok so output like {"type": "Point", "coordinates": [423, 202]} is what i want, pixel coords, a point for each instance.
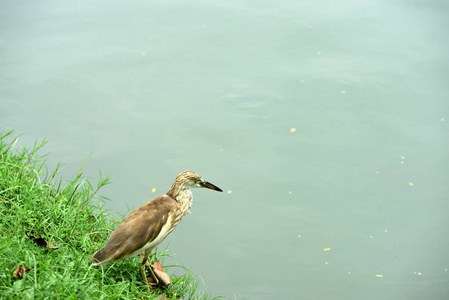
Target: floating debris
{"type": "Point", "coordinates": [379, 275]}
{"type": "Point", "coordinates": [153, 190]}
{"type": "Point", "coordinates": [411, 184]}
{"type": "Point", "coordinates": [326, 249]}
{"type": "Point", "coordinates": [293, 129]}
{"type": "Point", "coordinates": [229, 192]}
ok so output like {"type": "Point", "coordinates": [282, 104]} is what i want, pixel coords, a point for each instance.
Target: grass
{"type": "Point", "coordinates": [33, 202]}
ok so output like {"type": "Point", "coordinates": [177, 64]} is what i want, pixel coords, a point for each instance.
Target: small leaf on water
{"type": "Point", "coordinates": [326, 249]}
{"type": "Point", "coordinates": [379, 275]}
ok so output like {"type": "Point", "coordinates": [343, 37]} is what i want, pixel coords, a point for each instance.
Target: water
{"type": "Point", "coordinates": [152, 89]}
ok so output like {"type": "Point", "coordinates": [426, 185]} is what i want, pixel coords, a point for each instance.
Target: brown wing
{"type": "Point", "coordinates": [142, 226]}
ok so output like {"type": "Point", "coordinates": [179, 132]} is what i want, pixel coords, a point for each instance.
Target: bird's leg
{"type": "Point", "coordinates": [146, 263]}
{"type": "Point", "coordinates": [150, 267]}
{"type": "Point", "coordinates": [142, 272]}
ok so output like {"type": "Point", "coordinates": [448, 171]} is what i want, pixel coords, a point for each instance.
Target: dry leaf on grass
{"type": "Point", "coordinates": [158, 266]}
{"type": "Point", "coordinates": [162, 297]}
{"type": "Point", "coordinates": [41, 242]}
{"type": "Point", "coordinates": [18, 272]}
{"type": "Point", "coordinates": [163, 277]}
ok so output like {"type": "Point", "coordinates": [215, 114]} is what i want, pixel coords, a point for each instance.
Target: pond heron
{"type": "Point", "coordinates": [150, 224]}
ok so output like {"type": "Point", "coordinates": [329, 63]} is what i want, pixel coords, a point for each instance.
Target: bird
{"type": "Point", "coordinates": [147, 226]}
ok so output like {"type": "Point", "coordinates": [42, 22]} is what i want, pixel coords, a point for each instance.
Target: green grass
{"type": "Point", "coordinates": [33, 200]}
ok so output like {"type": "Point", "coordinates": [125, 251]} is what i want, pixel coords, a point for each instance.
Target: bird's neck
{"type": "Point", "coordinates": [176, 190]}
{"type": "Point", "coordinates": [183, 196]}
{"type": "Point", "coordinates": [184, 200]}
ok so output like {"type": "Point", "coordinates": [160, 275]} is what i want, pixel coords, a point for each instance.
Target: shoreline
{"type": "Point", "coordinates": [52, 226]}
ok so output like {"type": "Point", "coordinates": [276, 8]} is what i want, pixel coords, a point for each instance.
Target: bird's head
{"type": "Point", "coordinates": [188, 179]}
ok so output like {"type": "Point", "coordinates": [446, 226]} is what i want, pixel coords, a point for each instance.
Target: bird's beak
{"type": "Point", "coordinates": [209, 185]}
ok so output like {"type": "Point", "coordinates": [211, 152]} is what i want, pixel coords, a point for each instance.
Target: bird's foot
{"type": "Point", "coordinates": [153, 280]}
{"type": "Point", "coordinates": [158, 277]}
{"type": "Point", "coordinates": [161, 279]}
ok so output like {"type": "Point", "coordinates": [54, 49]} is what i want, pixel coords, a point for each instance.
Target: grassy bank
{"type": "Point", "coordinates": [38, 213]}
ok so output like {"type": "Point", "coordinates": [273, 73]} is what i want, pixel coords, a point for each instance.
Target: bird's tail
{"type": "Point", "coordinates": [95, 259]}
